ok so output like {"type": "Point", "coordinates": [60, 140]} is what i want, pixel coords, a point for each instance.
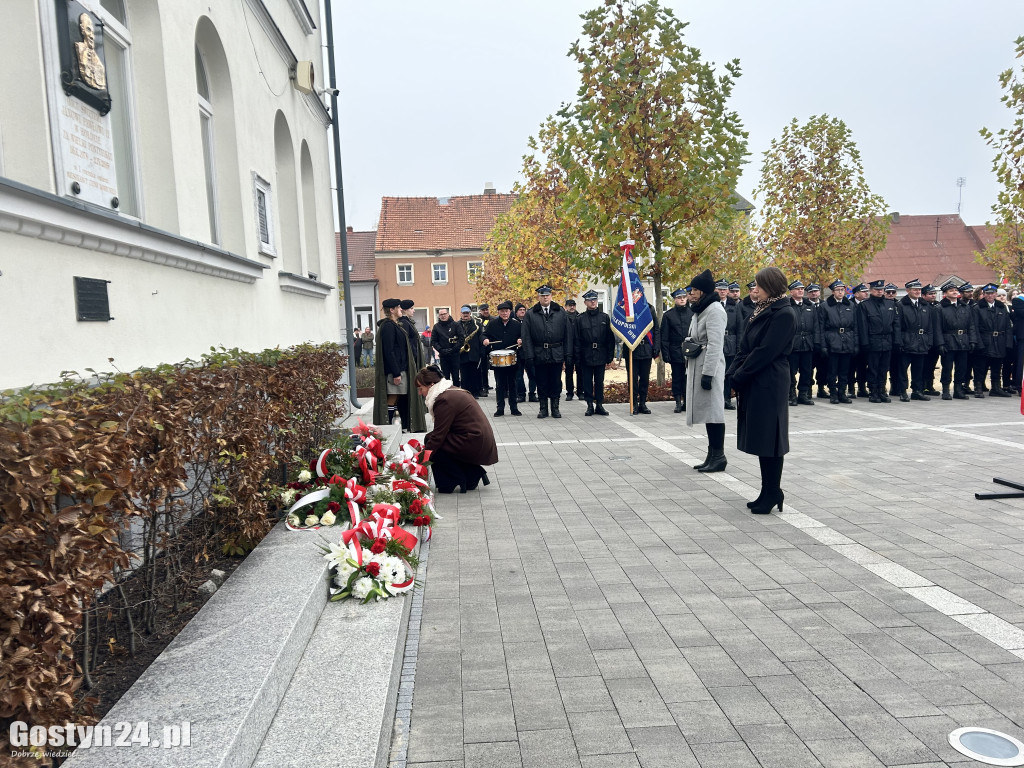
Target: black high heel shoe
{"type": "Point", "coordinates": [768, 503]}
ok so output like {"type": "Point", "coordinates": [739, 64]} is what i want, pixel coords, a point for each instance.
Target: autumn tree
{"type": "Point", "coordinates": [537, 241]}
{"type": "Point", "coordinates": [1005, 255]}
{"type": "Point", "coordinates": [819, 218]}
{"type": "Point", "coordinates": [728, 248]}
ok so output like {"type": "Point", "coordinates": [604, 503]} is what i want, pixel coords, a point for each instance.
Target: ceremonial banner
{"type": "Point", "coordinates": [631, 316]}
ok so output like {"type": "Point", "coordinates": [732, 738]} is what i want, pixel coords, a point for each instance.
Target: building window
{"type": "Point", "coordinates": [264, 214]}
{"type": "Point", "coordinates": [405, 274]}
{"type": "Point", "coordinates": [473, 270]}
{"type": "Point", "coordinates": [117, 43]}
{"type": "Point", "coordinates": [206, 134]}
{"type": "Point", "coordinates": [440, 273]}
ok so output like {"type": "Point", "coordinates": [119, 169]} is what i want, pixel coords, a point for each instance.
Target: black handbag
{"type": "Point", "coordinates": [691, 348]}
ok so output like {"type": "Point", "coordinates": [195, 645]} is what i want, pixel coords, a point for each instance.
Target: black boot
{"type": "Point", "coordinates": [590, 408]}
{"type": "Point", "coordinates": [543, 413]}
{"type": "Point", "coordinates": [514, 409]}
{"type": "Point", "coordinates": [679, 405]}
{"type": "Point", "coordinates": [833, 399]}
{"type": "Point", "coordinates": [500, 411]}
{"type": "Point", "coordinates": [804, 398]}
{"type": "Point", "coordinates": [873, 397]}
{"type": "Point", "coordinates": [822, 394]}
{"type": "Point", "coordinates": [533, 397]}
{"type": "Point", "coordinates": [729, 406]}
{"type": "Point", "coordinates": [919, 395]}
{"type": "Point", "coordinates": [978, 393]}
{"type": "Point", "coordinates": [883, 397]}
{"type": "Point", "coordinates": [862, 392]}
{"type": "Point", "coordinates": [844, 398]}
{"type": "Point", "coordinates": [958, 392]}
{"type": "Point", "coordinates": [930, 390]}
{"type": "Point", "coordinates": [568, 396]}
{"type": "Point", "coordinates": [997, 392]}
{"type": "Point", "coordinates": [555, 414]}
{"type": "Point", "coordinates": [945, 392]}
{"type": "Point", "coordinates": [792, 396]}
{"type": "Point", "coordinates": [904, 397]}
{"type": "Point", "coordinates": [704, 463]}
{"type": "Point", "coordinates": [642, 406]}
{"type": "Point", "coordinates": [717, 462]}
{"type": "Point", "coordinates": [599, 409]}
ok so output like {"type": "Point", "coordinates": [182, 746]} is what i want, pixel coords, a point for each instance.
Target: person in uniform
{"type": "Point", "coordinates": [812, 295]}
{"type": "Point", "coordinates": [1017, 320]}
{"type": "Point", "coordinates": [994, 335]}
{"type": "Point", "coordinates": [837, 320]}
{"type": "Point", "coordinates": [859, 364]}
{"type": "Point", "coordinates": [547, 343]}
{"type": "Point", "coordinates": [640, 369]}
{"type": "Point", "coordinates": [447, 339]}
{"type": "Point", "coordinates": [931, 358]}
{"type": "Point", "coordinates": [749, 303]}
{"type": "Point", "coordinates": [675, 325]}
{"type": "Point", "coordinates": [1007, 363]}
{"type": "Point", "coordinates": [806, 339]}
{"type": "Point", "coordinates": [408, 322]}
{"type": "Point", "coordinates": [570, 365]}
{"type": "Point", "coordinates": [484, 316]}
{"type": "Point", "coordinates": [732, 334]}
{"type": "Point", "coordinates": [896, 357]}
{"type": "Point", "coordinates": [734, 292]}
{"type": "Point", "coordinates": [593, 347]}
{"type": "Point", "coordinates": [967, 300]}
{"type": "Point", "coordinates": [879, 332]}
{"type": "Point", "coordinates": [524, 376]}
{"type": "Point", "coordinates": [959, 336]}
{"type": "Point", "coordinates": [917, 329]}
{"type": "Point", "coordinates": [393, 392]}
{"type": "Point", "coordinates": [470, 352]}
{"type": "Point", "coordinates": [504, 332]}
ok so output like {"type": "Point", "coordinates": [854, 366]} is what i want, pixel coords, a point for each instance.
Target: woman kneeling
{"type": "Point", "coordinates": [461, 441]}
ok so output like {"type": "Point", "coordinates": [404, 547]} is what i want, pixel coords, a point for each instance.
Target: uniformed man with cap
{"type": "Point", "coordinates": [547, 343]}
{"type": "Point", "coordinates": [918, 331]}
{"type": "Point", "coordinates": [483, 314]}
{"type": "Point", "coordinates": [837, 319]}
{"type": "Point", "coordinates": [524, 369]}
{"type": "Point", "coordinates": [732, 333]}
{"type": "Point", "coordinates": [447, 339]}
{"type": "Point", "coordinates": [570, 365]}
{"type": "Point", "coordinates": [470, 352]}
{"type": "Point", "coordinates": [859, 363]}
{"type": "Point", "coordinates": [932, 357]}
{"type": "Point", "coordinates": [812, 295]}
{"type": "Point", "coordinates": [896, 358]}
{"type": "Point", "coordinates": [593, 346]}
{"type": "Point", "coordinates": [994, 340]}
{"type": "Point", "coordinates": [806, 339]}
{"type": "Point", "coordinates": [967, 300]}
{"type": "Point", "coordinates": [879, 330]}
{"type": "Point", "coordinates": [959, 336]}
{"type": "Point", "coordinates": [501, 333]}
{"type": "Point", "coordinates": [675, 324]}
{"type": "Point", "coordinates": [734, 292]}
{"type": "Point", "coordinates": [749, 303]}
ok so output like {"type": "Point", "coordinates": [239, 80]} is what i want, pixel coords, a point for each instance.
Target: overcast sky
{"type": "Point", "coordinates": [439, 97]}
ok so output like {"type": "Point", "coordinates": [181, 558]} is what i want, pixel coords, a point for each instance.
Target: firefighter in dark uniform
{"type": "Point", "coordinates": [593, 347]}
{"type": "Point", "coordinates": [748, 304]}
{"type": "Point", "coordinates": [500, 333]}
{"type": "Point", "coordinates": [547, 343]}
{"type": "Point", "coordinates": [959, 336]}
{"type": "Point", "coordinates": [994, 340]}
{"type": "Point", "coordinates": [675, 323]}
{"type": "Point", "coordinates": [806, 339]}
{"type": "Point", "coordinates": [447, 339]}
{"type": "Point", "coordinates": [837, 319]}
{"type": "Point", "coordinates": [812, 295]}
{"type": "Point", "coordinates": [524, 369]}
{"type": "Point", "coordinates": [896, 358]}
{"type": "Point", "coordinates": [483, 316]}
{"type": "Point", "coordinates": [646, 351]}
{"type": "Point", "coordinates": [966, 300]}
{"type": "Point", "coordinates": [879, 332]}
{"type": "Point", "coordinates": [470, 352]}
{"type": "Point", "coordinates": [859, 364]}
{"type": "Point", "coordinates": [732, 333]}
{"type": "Point", "coordinates": [931, 358]}
{"type": "Point", "coordinates": [918, 331]}
{"type": "Point", "coordinates": [570, 365]}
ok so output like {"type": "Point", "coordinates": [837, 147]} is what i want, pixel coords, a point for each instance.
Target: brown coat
{"type": "Point", "coordinates": [461, 429]}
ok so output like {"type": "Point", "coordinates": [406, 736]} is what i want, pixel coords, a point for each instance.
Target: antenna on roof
{"type": "Point", "coordinates": [936, 230]}
{"type": "Point", "coordinates": [961, 182]}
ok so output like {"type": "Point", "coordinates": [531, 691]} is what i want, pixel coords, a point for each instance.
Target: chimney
{"type": "Point", "coordinates": [895, 217]}
{"type": "Point", "coordinates": [489, 188]}
{"type": "Point", "coordinates": [348, 229]}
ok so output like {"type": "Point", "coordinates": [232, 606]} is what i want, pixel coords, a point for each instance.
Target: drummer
{"type": "Point", "coordinates": [504, 333]}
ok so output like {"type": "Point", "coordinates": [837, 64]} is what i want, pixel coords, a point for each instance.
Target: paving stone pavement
{"type": "Point", "coordinates": [601, 604]}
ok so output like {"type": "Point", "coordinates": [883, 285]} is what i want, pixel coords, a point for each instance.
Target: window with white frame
{"type": "Point", "coordinates": [473, 270]}
{"type": "Point", "coordinates": [405, 274]}
{"type": "Point", "coordinates": [117, 42]}
{"type": "Point", "coordinates": [440, 273]}
{"type": "Point", "coordinates": [206, 135]}
{"type": "Point", "coordinates": [264, 214]}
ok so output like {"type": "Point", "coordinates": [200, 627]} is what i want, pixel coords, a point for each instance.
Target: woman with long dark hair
{"type": "Point", "coordinates": [760, 376]}
{"type": "Point", "coordinates": [705, 373]}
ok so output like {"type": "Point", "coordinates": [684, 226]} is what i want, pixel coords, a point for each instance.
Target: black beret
{"type": "Point", "coordinates": [407, 304]}
{"type": "Point", "coordinates": [390, 303]}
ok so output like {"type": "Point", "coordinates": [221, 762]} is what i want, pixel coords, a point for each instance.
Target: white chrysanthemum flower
{"type": "Point", "coordinates": [362, 587]}
{"type": "Point", "coordinates": [392, 570]}
{"type": "Point", "coordinates": [305, 476]}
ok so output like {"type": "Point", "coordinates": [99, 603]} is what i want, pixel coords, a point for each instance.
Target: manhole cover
{"type": "Point", "coordinates": [987, 746]}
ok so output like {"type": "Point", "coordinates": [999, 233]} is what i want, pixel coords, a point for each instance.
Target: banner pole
{"type": "Point", "coordinates": [629, 375]}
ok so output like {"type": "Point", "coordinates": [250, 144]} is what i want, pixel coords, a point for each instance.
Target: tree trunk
{"type": "Point", "coordinates": [657, 300]}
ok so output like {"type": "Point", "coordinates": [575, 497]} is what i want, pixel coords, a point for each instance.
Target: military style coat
{"type": "Point", "coordinates": [993, 324]}
{"type": "Point", "coordinates": [675, 324]}
{"type": "Point", "coordinates": [917, 326]}
{"type": "Point", "coordinates": [547, 338]}
{"type": "Point", "coordinates": [648, 349]}
{"type": "Point", "coordinates": [878, 325]}
{"type": "Point", "coordinates": [959, 333]}
{"type": "Point", "coordinates": [733, 327]}
{"type": "Point", "coordinates": [838, 323]}
{"type": "Point", "coordinates": [593, 342]}
{"type": "Point", "coordinates": [806, 334]}
{"type": "Point", "coordinates": [409, 325]}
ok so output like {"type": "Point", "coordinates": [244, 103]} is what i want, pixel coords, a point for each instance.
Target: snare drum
{"type": "Point", "coordinates": [503, 358]}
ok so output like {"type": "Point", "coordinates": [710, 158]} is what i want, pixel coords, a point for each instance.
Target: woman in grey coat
{"type": "Point", "coordinates": [705, 373]}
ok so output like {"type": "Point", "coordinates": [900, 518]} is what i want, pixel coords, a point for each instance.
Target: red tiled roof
{"type": "Point", "coordinates": [426, 224]}
{"type": "Point", "coordinates": [360, 255]}
{"type": "Point", "coordinates": [916, 250]}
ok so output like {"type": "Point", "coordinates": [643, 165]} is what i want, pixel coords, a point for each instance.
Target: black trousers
{"type": "Point", "coordinates": [859, 370]}
{"type": "Point", "coordinates": [1007, 367]}
{"type": "Point", "coordinates": [954, 368]}
{"type": "Point", "coordinates": [548, 377]}
{"type": "Point", "coordinates": [838, 372]}
{"type": "Point", "coordinates": [505, 384]}
{"type": "Point", "coordinates": [469, 373]}
{"type": "Point", "coordinates": [450, 471]}
{"type": "Point", "coordinates": [521, 381]}
{"type": "Point", "coordinates": [803, 363]}
{"type": "Point", "coordinates": [821, 369]}
{"type": "Point", "coordinates": [571, 369]}
{"type": "Point", "coordinates": [897, 372]}
{"type": "Point", "coordinates": [878, 369]}
{"type": "Point", "coordinates": [928, 368]}
{"type": "Point", "coordinates": [679, 380]}
{"type": "Point", "coordinates": [982, 366]}
{"type": "Point", "coordinates": [727, 390]}
{"type": "Point", "coordinates": [916, 380]}
{"type": "Point", "coordinates": [485, 381]}
{"type": "Point", "coordinates": [642, 377]}
{"type": "Point", "coordinates": [591, 380]}
{"type": "Point", "coordinates": [450, 366]}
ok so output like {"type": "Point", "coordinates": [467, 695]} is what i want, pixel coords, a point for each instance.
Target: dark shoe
{"type": "Point", "coordinates": [590, 408]}
{"type": "Point", "coordinates": [533, 397]}
{"type": "Point", "coordinates": [501, 412]}
{"type": "Point", "coordinates": [642, 406]}
{"type": "Point", "coordinates": [679, 406]}
{"type": "Point", "coordinates": [717, 462]}
{"type": "Point", "coordinates": [769, 503]}
{"type": "Point", "coordinates": [543, 413]}
{"type": "Point", "coordinates": [704, 463]}
{"type": "Point", "coordinates": [485, 478]}
{"type": "Point", "coordinates": [805, 397]}
{"type": "Point", "coordinates": [555, 413]}
{"type": "Point", "coordinates": [844, 399]}
{"type": "Point", "coordinates": [729, 406]}
{"type": "Point", "coordinates": [600, 411]}
{"type": "Point", "coordinates": [834, 399]}
{"type": "Point", "coordinates": [862, 393]}
{"type": "Point", "coordinates": [521, 399]}
{"type": "Point", "coordinates": [945, 394]}
{"type": "Point", "coordinates": [792, 396]}
{"type": "Point", "coordinates": [968, 390]}
{"type": "Point", "coordinates": [979, 395]}
{"type": "Point", "coordinates": [930, 391]}
{"type": "Point", "coordinates": [884, 398]}
{"type": "Point", "coordinates": [919, 396]}
{"type": "Point", "coordinates": [822, 394]}
{"type": "Point", "coordinates": [996, 392]}
{"type": "Point", "coordinates": [904, 397]}
{"type": "Point", "coordinates": [568, 396]}
{"type": "Point", "coordinates": [873, 398]}
{"type": "Point", "coordinates": [758, 500]}
{"type": "Point", "coordinates": [515, 411]}
{"type": "Point", "coordinates": [958, 393]}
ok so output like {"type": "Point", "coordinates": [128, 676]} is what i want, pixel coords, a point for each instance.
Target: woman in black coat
{"type": "Point", "coordinates": [760, 376]}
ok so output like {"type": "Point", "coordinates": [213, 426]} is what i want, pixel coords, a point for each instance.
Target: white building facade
{"type": "Point", "coordinates": [196, 212]}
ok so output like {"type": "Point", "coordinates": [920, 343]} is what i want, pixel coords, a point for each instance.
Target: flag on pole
{"type": "Point", "coordinates": [631, 315]}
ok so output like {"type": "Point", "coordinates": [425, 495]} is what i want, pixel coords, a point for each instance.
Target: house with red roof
{"type": "Point", "coordinates": [362, 280]}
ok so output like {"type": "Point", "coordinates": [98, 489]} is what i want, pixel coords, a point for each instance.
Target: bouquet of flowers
{"type": "Point", "coordinates": [377, 573]}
